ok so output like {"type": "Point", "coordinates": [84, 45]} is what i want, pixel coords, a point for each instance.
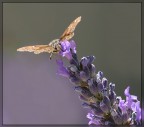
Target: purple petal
{"type": "Point", "coordinates": [90, 116]}
{"type": "Point", "coordinates": [87, 60]}
{"type": "Point", "coordinates": [61, 69]}
{"type": "Point", "coordinates": [68, 55]}
{"type": "Point", "coordinates": [92, 70]}
{"type": "Point", "coordinates": [99, 75]}
{"type": "Point", "coordinates": [138, 111]}
{"type": "Point", "coordinates": [105, 82]}
{"type": "Point", "coordinates": [133, 106]}
{"type": "Point", "coordinates": [122, 105]}
{"type": "Point", "coordinates": [93, 120]}
{"type": "Point", "coordinates": [90, 59]}
{"type": "Point", "coordinates": [129, 98]}
{"type": "Point", "coordinates": [75, 80]}
{"type": "Point", "coordinates": [73, 45]}
{"type": "Point", "coordinates": [66, 47]}
{"type": "Point", "coordinates": [65, 52]}
{"type": "Point", "coordinates": [133, 97]}
{"type": "Point", "coordinates": [93, 88]}
{"type": "Point", "coordinates": [126, 92]}
{"type": "Point", "coordinates": [83, 76]}
{"type": "Point", "coordinates": [84, 61]}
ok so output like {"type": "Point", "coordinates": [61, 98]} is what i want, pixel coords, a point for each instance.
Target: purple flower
{"type": "Point", "coordinates": [138, 111]}
{"type": "Point", "coordinates": [86, 61]}
{"type": "Point", "coordinates": [129, 98]}
{"type": "Point", "coordinates": [66, 47]}
{"type": "Point", "coordinates": [94, 119]}
{"type": "Point", "coordinates": [61, 69]}
{"type": "Point", "coordinates": [136, 108]}
{"type": "Point", "coordinates": [131, 103]}
{"type": "Point", "coordinates": [122, 104]}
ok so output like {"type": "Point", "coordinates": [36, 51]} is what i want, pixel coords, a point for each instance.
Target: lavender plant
{"type": "Point", "coordinates": [106, 108]}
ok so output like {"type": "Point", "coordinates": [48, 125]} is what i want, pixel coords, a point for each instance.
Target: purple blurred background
{"type": "Point", "coordinates": [33, 93]}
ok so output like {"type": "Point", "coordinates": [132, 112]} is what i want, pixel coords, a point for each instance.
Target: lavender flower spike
{"type": "Point", "coordinates": [106, 108]}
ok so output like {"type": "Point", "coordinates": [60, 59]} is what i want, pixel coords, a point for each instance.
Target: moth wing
{"type": "Point", "coordinates": [69, 32]}
{"type": "Point", "coordinates": [36, 49]}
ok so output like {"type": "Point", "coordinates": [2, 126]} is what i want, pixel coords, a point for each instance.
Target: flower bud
{"type": "Point", "coordinates": [105, 104]}
{"type": "Point", "coordinates": [90, 59]}
{"type": "Point", "coordinates": [83, 91]}
{"type": "Point", "coordinates": [125, 117]}
{"type": "Point", "coordinates": [84, 61]}
{"type": "Point", "coordinates": [118, 98]}
{"type": "Point", "coordinates": [93, 88]}
{"type": "Point", "coordinates": [106, 101]}
{"type": "Point", "coordinates": [86, 105]}
{"type": "Point", "coordinates": [105, 92]}
{"type": "Point", "coordinates": [100, 74]}
{"type": "Point", "coordinates": [87, 72]}
{"type": "Point", "coordinates": [92, 70]}
{"type": "Point", "coordinates": [112, 96]}
{"type": "Point", "coordinates": [82, 98]}
{"type": "Point", "coordinates": [74, 80]}
{"type": "Point", "coordinates": [84, 77]}
{"type": "Point", "coordinates": [117, 119]}
{"type": "Point", "coordinates": [97, 110]}
{"type": "Point", "coordinates": [112, 86]}
{"type": "Point", "coordinates": [100, 87]}
{"type": "Point", "coordinates": [104, 107]}
{"type": "Point", "coordinates": [105, 82]}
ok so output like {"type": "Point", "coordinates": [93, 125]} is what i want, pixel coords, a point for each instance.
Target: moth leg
{"type": "Point", "coordinates": [51, 55]}
{"type": "Point", "coordinates": [60, 47]}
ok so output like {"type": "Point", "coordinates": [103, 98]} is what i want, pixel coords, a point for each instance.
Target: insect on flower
{"type": "Point", "coordinates": [54, 46]}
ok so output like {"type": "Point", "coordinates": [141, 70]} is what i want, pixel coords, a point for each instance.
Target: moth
{"type": "Point", "coordinates": [54, 46]}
